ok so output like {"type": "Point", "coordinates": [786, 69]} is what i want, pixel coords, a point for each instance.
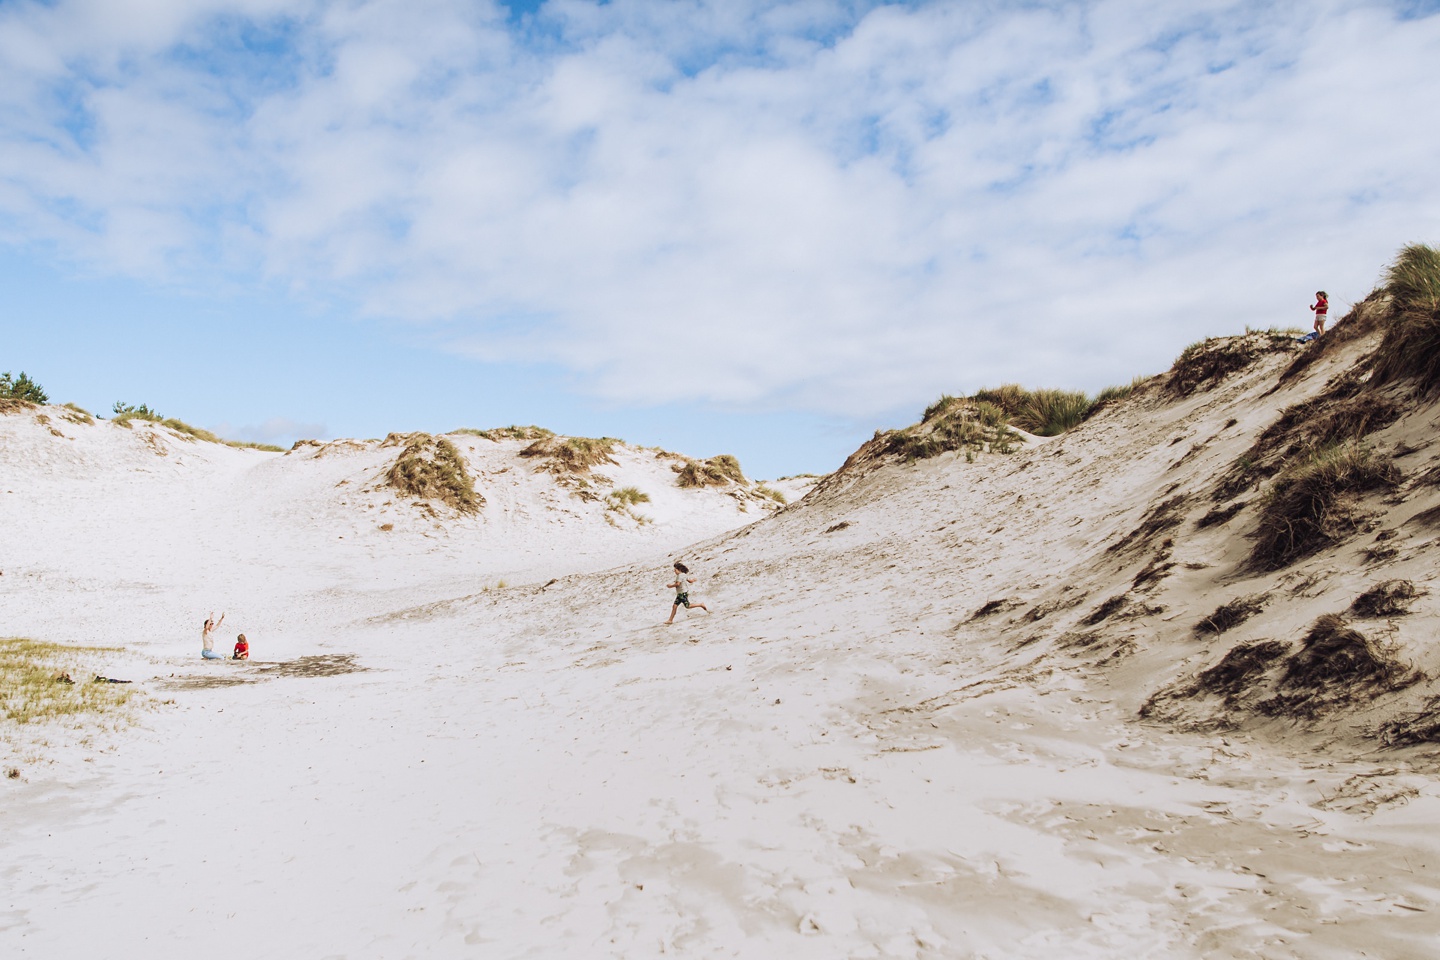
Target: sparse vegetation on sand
{"type": "Point", "coordinates": [1410, 348]}
{"type": "Point", "coordinates": [512, 432]}
{"type": "Point", "coordinates": [571, 455]}
{"type": "Point", "coordinates": [1205, 363]}
{"type": "Point", "coordinates": [714, 472]}
{"type": "Point", "coordinates": [78, 414]}
{"type": "Point", "coordinates": [431, 468]}
{"type": "Point", "coordinates": [22, 389]}
{"type": "Point", "coordinates": [953, 423]}
{"type": "Point", "coordinates": [43, 681]}
{"type": "Point", "coordinates": [772, 493]}
{"type": "Point", "coordinates": [1311, 504]}
{"type": "Point", "coordinates": [1232, 614]}
{"type": "Point", "coordinates": [626, 497]}
{"type": "Point", "coordinates": [126, 412]}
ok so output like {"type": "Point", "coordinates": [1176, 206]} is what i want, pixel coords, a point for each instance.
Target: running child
{"type": "Point", "coordinates": [682, 595]}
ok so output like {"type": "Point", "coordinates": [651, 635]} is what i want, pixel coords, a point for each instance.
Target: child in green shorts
{"type": "Point", "coordinates": [682, 595]}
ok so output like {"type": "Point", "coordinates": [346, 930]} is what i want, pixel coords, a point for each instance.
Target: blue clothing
{"type": "Point", "coordinates": [212, 655]}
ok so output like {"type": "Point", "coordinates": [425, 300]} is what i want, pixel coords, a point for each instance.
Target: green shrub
{"type": "Point", "coordinates": [1410, 348]}
{"type": "Point", "coordinates": [21, 388]}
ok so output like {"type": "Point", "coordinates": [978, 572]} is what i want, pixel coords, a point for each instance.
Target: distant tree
{"type": "Point", "coordinates": [129, 411]}
{"type": "Point", "coordinates": [21, 388]}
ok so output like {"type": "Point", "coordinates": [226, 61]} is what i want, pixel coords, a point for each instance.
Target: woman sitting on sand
{"type": "Point", "coordinates": [207, 637]}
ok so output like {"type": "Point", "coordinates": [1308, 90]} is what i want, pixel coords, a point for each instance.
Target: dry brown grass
{"type": "Point", "coordinates": [1388, 598]}
{"type": "Point", "coordinates": [714, 472]}
{"type": "Point", "coordinates": [1207, 363]}
{"type": "Point", "coordinates": [571, 455]}
{"type": "Point", "coordinates": [512, 432]}
{"type": "Point", "coordinates": [430, 468]}
{"type": "Point", "coordinates": [1232, 614]}
{"type": "Point", "coordinates": [1311, 505]}
{"type": "Point", "coordinates": [44, 681]}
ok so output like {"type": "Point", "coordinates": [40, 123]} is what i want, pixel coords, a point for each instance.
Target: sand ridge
{"type": "Point", "coordinates": [843, 760]}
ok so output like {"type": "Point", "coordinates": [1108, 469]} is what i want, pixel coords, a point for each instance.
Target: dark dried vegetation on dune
{"type": "Point", "coordinates": [1388, 598]}
{"type": "Point", "coordinates": [1314, 504]}
{"type": "Point", "coordinates": [1336, 664]}
{"type": "Point", "coordinates": [431, 468]}
{"type": "Point", "coordinates": [1206, 364]}
{"type": "Point", "coordinates": [1230, 615]}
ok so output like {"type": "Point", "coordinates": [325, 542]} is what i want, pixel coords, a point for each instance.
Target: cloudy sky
{"type": "Point", "coordinates": [764, 228]}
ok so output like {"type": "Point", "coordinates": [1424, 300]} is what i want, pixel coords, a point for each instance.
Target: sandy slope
{"type": "Point", "coordinates": [842, 761]}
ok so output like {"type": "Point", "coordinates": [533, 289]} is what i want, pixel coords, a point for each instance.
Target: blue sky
{"type": "Point", "coordinates": [748, 227]}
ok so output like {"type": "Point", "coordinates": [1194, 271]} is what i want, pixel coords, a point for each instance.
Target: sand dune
{"type": "Point", "coordinates": [941, 708]}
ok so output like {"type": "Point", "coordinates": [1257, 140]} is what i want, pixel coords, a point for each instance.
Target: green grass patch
{"type": "Point", "coordinates": [626, 497]}
{"type": "Point", "coordinates": [45, 681]}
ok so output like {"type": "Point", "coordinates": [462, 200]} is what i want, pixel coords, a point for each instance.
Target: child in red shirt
{"type": "Point", "coordinates": [242, 648]}
{"type": "Point", "coordinates": [1321, 308]}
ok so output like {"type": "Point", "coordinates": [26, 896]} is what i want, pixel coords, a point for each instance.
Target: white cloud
{"type": "Point", "coordinates": [745, 203]}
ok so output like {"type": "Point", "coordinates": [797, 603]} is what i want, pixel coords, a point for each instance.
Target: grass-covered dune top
{"type": "Point", "coordinates": [125, 413]}
{"type": "Point", "coordinates": [512, 432]}
{"type": "Point", "coordinates": [44, 681]}
{"type": "Point", "coordinates": [431, 468]}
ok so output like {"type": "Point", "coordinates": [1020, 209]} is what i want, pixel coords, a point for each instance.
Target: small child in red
{"type": "Point", "coordinates": [1321, 308]}
{"type": "Point", "coordinates": [242, 648]}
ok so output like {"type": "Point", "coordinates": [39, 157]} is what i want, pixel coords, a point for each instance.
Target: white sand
{"type": "Point", "coordinates": [836, 763]}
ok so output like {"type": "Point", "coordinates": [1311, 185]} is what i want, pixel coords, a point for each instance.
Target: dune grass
{"type": "Point", "coordinates": [714, 472]}
{"type": "Point", "coordinates": [776, 495]}
{"type": "Point", "coordinates": [1309, 506]}
{"type": "Point", "coordinates": [626, 497]}
{"type": "Point", "coordinates": [125, 413]}
{"type": "Point", "coordinates": [45, 681]}
{"type": "Point", "coordinates": [431, 468]}
{"type": "Point", "coordinates": [512, 432]}
{"type": "Point", "coordinates": [1410, 348]}
{"type": "Point", "coordinates": [572, 455]}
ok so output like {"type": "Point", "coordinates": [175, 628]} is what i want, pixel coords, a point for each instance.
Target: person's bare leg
{"type": "Point", "coordinates": [701, 606]}
{"type": "Point", "coordinates": [673, 608]}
